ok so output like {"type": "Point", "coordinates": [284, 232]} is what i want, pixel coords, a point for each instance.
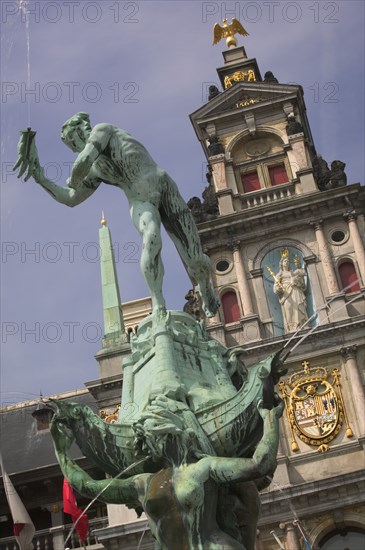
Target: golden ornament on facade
{"type": "Point", "coordinates": [247, 102]}
{"type": "Point", "coordinates": [228, 32]}
{"type": "Point", "coordinates": [239, 76]}
{"type": "Point", "coordinates": [314, 405]}
{"type": "Point", "coordinates": [110, 415]}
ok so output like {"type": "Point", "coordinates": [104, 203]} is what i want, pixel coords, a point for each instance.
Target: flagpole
{"type": "Point", "coordinates": [23, 526]}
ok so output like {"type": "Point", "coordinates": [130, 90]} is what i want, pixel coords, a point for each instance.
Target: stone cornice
{"type": "Point", "coordinates": [335, 330]}
{"type": "Point", "coordinates": [312, 497]}
{"type": "Point", "coordinates": [297, 212]}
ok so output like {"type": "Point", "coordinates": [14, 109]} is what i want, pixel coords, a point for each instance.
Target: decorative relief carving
{"type": "Point", "coordinates": [246, 101]}
{"type": "Point", "coordinates": [257, 147]}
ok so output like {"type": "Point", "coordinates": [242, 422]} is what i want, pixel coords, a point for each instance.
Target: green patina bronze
{"type": "Point", "coordinates": [206, 427]}
{"type": "Point", "coordinates": [111, 155]}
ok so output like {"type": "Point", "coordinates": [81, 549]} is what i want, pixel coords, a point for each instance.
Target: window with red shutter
{"type": "Point", "coordinates": [278, 174]}
{"type": "Point", "coordinates": [231, 308]}
{"type": "Point", "coordinates": [250, 182]}
{"type": "Point", "coordinates": [349, 277]}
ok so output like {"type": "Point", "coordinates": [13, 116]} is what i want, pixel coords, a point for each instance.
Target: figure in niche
{"type": "Point", "coordinates": [290, 287]}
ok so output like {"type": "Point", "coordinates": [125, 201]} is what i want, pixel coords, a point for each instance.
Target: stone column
{"type": "Point", "coordinates": [358, 246]}
{"type": "Point", "coordinates": [224, 193]}
{"type": "Point", "coordinates": [326, 259]}
{"type": "Point", "coordinates": [356, 385]}
{"type": "Point", "coordinates": [281, 473]}
{"type": "Point", "coordinates": [319, 302]}
{"type": "Point", "coordinates": [264, 313]}
{"type": "Point", "coordinates": [217, 164]}
{"type": "Point", "coordinates": [242, 280]}
{"type": "Point", "coordinates": [258, 544]}
{"type": "Point", "coordinates": [291, 537]}
{"type": "Point", "coordinates": [338, 310]}
{"type": "Point", "coordinates": [230, 177]}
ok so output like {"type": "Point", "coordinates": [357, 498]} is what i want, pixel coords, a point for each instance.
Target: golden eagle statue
{"type": "Point", "coordinates": [228, 32]}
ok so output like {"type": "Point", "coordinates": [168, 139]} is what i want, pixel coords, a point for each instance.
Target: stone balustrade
{"type": "Point", "coordinates": [267, 196]}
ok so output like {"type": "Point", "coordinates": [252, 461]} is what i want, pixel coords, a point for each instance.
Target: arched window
{"type": "Point", "coordinates": [349, 277]}
{"type": "Point", "coordinates": [231, 310]}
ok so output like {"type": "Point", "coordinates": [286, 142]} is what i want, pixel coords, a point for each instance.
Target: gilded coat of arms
{"type": "Point", "coordinates": [314, 406]}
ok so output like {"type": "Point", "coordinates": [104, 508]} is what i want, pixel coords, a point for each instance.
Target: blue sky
{"type": "Point", "coordinates": [144, 66]}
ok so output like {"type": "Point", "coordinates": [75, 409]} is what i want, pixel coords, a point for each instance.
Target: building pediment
{"type": "Point", "coordinates": [245, 96]}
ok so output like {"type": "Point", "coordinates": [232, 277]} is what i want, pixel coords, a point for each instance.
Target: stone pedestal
{"type": "Point", "coordinates": [174, 356]}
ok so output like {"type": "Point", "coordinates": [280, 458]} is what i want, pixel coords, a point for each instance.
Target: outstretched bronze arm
{"type": "Point", "coordinates": [263, 462]}
{"type": "Point", "coordinates": [115, 491]}
{"type": "Point", "coordinates": [28, 164]}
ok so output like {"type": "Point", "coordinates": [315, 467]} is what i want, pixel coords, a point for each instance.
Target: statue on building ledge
{"type": "Point", "coordinates": [213, 92]}
{"type": "Point", "coordinates": [206, 210]}
{"type": "Point", "coordinates": [338, 176]}
{"type": "Point", "coordinates": [290, 287]}
{"type": "Point", "coordinates": [293, 127]}
{"type": "Point", "coordinates": [269, 77]}
{"type": "Point", "coordinates": [193, 305]}
{"type": "Point", "coordinates": [329, 178]}
{"type": "Point", "coordinates": [215, 147]}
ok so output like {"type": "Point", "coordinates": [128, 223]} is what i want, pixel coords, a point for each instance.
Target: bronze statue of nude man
{"type": "Point", "coordinates": [111, 155]}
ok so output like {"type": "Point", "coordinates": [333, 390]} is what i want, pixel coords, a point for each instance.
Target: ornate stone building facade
{"type": "Point", "coordinates": [288, 261]}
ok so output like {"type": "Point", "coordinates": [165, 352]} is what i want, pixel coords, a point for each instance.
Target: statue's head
{"type": "Point", "coordinates": [163, 434]}
{"type": "Point", "coordinates": [285, 260]}
{"type": "Point", "coordinates": [75, 132]}
{"type": "Point", "coordinates": [338, 166]}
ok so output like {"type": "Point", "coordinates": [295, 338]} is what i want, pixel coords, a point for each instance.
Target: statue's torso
{"type": "Point", "coordinates": [126, 163]}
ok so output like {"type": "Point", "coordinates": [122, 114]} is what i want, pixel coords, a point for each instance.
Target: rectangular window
{"type": "Point", "coordinates": [250, 182]}
{"type": "Point", "coordinates": [278, 174]}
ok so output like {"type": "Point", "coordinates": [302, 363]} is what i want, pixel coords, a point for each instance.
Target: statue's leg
{"type": "Point", "coordinates": [147, 220]}
{"type": "Point", "coordinates": [179, 224]}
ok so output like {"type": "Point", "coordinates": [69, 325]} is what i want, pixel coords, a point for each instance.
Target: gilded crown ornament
{"type": "Point", "coordinates": [228, 32]}
{"type": "Point", "coordinates": [284, 253]}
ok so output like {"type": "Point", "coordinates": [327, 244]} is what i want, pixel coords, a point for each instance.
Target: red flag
{"type": "Point", "coordinates": [70, 507]}
{"type": "Point", "coordinates": [23, 526]}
